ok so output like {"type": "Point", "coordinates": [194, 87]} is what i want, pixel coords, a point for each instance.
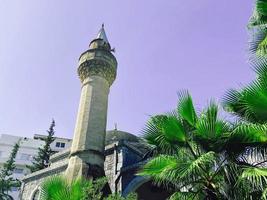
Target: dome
{"type": "Point", "coordinates": [116, 135]}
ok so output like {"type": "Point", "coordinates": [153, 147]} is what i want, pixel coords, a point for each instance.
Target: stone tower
{"type": "Point", "coordinates": [97, 71]}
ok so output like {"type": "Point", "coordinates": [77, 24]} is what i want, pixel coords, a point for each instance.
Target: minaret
{"type": "Point", "coordinates": [97, 71]}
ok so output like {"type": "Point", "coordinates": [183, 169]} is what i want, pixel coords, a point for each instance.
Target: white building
{"type": "Point", "coordinates": [28, 149]}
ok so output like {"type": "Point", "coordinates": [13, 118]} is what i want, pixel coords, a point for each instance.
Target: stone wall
{"type": "Point", "coordinates": [32, 181]}
{"type": "Point", "coordinates": [112, 164]}
{"type": "Point", "coordinates": [122, 160]}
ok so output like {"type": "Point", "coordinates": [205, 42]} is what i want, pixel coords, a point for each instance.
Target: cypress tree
{"type": "Point", "coordinates": [41, 161]}
{"type": "Point", "coordinates": [6, 180]}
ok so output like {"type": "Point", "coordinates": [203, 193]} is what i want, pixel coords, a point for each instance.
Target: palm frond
{"type": "Point", "coordinates": [234, 188]}
{"type": "Point", "coordinates": [255, 177]}
{"type": "Point", "coordinates": [259, 65]}
{"type": "Point", "coordinates": [257, 42]}
{"type": "Point", "coordinates": [166, 170]}
{"type": "Point", "coordinates": [250, 103]}
{"type": "Point", "coordinates": [186, 108]}
{"type": "Point", "coordinates": [76, 188]}
{"type": "Point", "coordinates": [264, 194]}
{"type": "Point", "coordinates": [249, 134]}
{"type": "Point", "coordinates": [57, 188]}
{"type": "Point", "coordinates": [211, 132]}
{"type": "Point", "coordinates": [165, 132]}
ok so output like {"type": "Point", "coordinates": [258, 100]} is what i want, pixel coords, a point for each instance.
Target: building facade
{"type": "Point", "coordinates": [96, 152]}
{"type": "Point", "coordinates": [28, 149]}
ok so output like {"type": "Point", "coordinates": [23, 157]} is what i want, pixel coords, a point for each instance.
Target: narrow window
{"type": "Point", "coordinates": [58, 144]}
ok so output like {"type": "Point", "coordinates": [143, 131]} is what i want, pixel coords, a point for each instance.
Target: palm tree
{"type": "Point", "coordinates": [203, 156]}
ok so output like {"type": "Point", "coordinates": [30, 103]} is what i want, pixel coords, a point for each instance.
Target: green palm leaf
{"type": "Point", "coordinates": [256, 47]}
{"type": "Point", "coordinates": [178, 171]}
{"type": "Point", "coordinates": [262, 47]}
{"type": "Point", "coordinates": [246, 142]}
{"type": "Point", "coordinates": [159, 165]}
{"type": "Point", "coordinates": [249, 134]}
{"type": "Point", "coordinates": [264, 194]}
{"type": "Point", "coordinates": [255, 177]}
{"type": "Point", "coordinates": [165, 132]}
{"type": "Point", "coordinates": [259, 65]}
{"type": "Point", "coordinates": [211, 132]}
{"type": "Point", "coordinates": [251, 102]}
{"type": "Point", "coordinates": [76, 189]}
{"type": "Point", "coordinates": [186, 108]}
{"type": "Point", "coordinates": [57, 188]}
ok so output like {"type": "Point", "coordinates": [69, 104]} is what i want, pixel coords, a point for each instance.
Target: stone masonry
{"type": "Point", "coordinates": [97, 71]}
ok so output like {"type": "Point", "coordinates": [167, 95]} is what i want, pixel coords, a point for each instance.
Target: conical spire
{"type": "Point", "coordinates": [102, 34]}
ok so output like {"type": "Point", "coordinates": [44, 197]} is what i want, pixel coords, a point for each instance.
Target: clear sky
{"type": "Point", "coordinates": [162, 46]}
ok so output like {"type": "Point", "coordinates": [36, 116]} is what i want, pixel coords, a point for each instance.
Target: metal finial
{"type": "Point", "coordinates": [116, 126]}
{"type": "Point", "coordinates": [102, 35]}
{"type": "Point", "coordinates": [103, 25]}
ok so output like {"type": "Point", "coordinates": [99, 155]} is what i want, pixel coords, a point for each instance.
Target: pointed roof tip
{"type": "Point", "coordinates": [102, 34]}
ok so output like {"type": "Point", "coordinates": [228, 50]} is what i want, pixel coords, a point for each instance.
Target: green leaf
{"type": "Point", "coordinates": [249, 134]}
{"type": "Point", "coordinates": [211, 132]}
{"type": "Point", "coordinates": [256, 177]}
{"type": "Point", "coordinates": [53, 187]}
{"type": "Point", "coordinates": [251, 102]}
{"type": "Point", "coordinates": [165, 132]}
{"type": "Point", "coordinates": [186, 108]}
{"type": "Point", "coordinates": [262, 47]}
{"type": "Point", "coordinates": [264, 194]}
{"type": "Point", "coordinates": [180, 170]}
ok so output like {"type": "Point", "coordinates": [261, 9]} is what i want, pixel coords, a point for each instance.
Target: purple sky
{"type": "Point", "coordinates": [161, 47]}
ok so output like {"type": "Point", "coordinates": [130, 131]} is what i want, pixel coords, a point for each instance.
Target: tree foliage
{"type": "Point", "coordinates": [250, 103]}
{"type": "Point", "coordinates": [58, 188]}
{"type": "Point", "coordinates": [41, 161]}
{"type": "Point", "coordinates": [257, 25]}
{"type": "Point", "coordinates": [203, 156]}
{"type": "Point", "coordinates": [6, 179]}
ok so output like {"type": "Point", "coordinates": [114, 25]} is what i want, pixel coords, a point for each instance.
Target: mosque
{"type": "Point", "coordinates": [95, 151]}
